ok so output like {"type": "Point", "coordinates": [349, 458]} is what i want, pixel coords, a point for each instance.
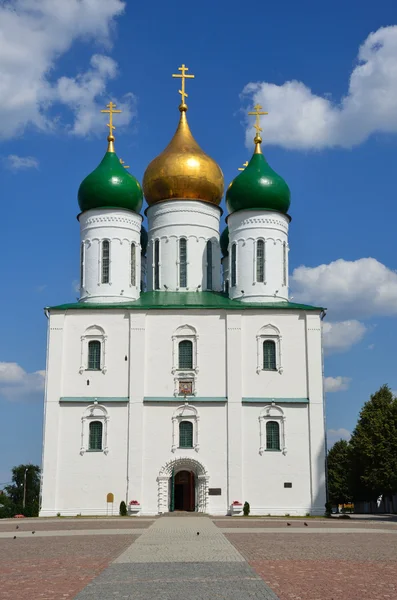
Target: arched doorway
{"type": "Point", "coordinates": [184, 491]}
{"type": "Point", "coordinates": [193, 478]}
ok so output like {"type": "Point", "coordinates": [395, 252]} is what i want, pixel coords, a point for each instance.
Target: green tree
{"type": "Point", "coordinates": [25, 484]}
{"type": "Point", "coordinates": [339, 484]}
{"type": "Point", "coordinates": [374, 447]}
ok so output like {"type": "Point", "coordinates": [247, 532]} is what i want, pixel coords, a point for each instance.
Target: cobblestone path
{"type": "Point", "coordinates": [179, 558]}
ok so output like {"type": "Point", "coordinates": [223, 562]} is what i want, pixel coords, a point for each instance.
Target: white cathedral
{"type": "Point", "coordinates": [183, 378]}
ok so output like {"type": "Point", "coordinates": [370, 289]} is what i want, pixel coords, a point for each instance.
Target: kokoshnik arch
{"type": "Point", "coordinates": [184, 378]}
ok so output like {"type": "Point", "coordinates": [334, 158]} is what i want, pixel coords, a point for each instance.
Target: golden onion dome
{"type": "Point", "coordinates": [183, 171]}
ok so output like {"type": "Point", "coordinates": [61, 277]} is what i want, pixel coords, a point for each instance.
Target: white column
{"type": "Point", "coordinates": [52, 416]}
{"type": "Point", "coordinates": [316, 413]}
{"type": "Point", "coordinates": [136, 394]}
{"type": "Point", "coordinates": [246, 228]}
{"type": "Point", "coordinates": [234, 407]}
{"type": "Point", "coordinates": [195, 221]}
{"type": "Point", "coordinates": [120, 228]}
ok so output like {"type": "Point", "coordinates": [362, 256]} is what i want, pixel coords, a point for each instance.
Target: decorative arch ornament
{"type": "Point", "coordinates": [185, 412]}
{"type": "Point", "coordinates": [272, 412]}
{"type": "Point", "coordinates": [173, 466]}
{"type": "Point", "coordinates": [272, 333]}
{"type": "Point", "coordinates": [93, 333]}
{"type": "Point", "coordinates": [94, 412]}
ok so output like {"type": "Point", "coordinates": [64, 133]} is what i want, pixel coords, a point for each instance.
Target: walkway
{"type": "Point", "coordinates": [176, 559]}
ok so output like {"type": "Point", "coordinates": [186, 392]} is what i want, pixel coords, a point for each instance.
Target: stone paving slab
{"type": "Point", "coordinates": [306, 530]}
{"type": "Point", "coordinates": [86, 524]}
{"type": "Point", "coordinates": [178, 581]}
{"type": "Point", "coordinates": [69, 533]}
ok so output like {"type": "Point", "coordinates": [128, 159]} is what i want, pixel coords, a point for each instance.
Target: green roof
{"type": "Point", "coordinates": [186, 300]}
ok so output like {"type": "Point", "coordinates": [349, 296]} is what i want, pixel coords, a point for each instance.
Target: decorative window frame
{"type": "Point", "coordinates": [255, 280]}
{"type": "Point", "coordinates": [271, 333]}
{"type": "Point", "coordinates": [188, 333]}
{"type": "Point", "coordinates": [94, 412]}
{"type": "Point", "coordinates": [93, 333]}
{"type": "Point", "coordinates": [185, 412]}
{"type": "Point", "coordinates": [272, 412]}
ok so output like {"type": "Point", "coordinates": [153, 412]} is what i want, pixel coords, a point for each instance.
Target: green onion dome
{"type": "Point", "coordinates": [258, 187]}
{"type": "Point", "coordinates": [110, 185]}
{"type": "Point", "coordinates": [144, 240]}
{"type": "Point", "coordinates": [224, 241]}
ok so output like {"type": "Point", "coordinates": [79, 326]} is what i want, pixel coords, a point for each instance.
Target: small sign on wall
{"type": "Point", "coordinates": [288, 484]}
{"type": "Point", "coordinates": [214, 491]}
{"type": "Point", "coordinates": [110, 497]}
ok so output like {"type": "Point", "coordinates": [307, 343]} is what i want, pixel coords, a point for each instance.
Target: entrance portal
{"type": "Point", "coordinates": [184, 491]}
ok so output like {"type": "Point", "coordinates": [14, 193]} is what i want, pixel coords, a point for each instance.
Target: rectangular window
{"type": "Point", "coordinates": [234, 266]}
{"type": "Point", "coordinates": [185, 354]}
{"type": "Point", "coordinates": [157, 265]}
{"type": "Point", "coordinates": [269, 355]}
{"type": "Point", "coordinates": [105, 261]}
{"type": "Point", "coordinates": [94, 355]}
{"type": "Point", "coordinates": [133, 265]}
{"type": "Point", "coordinates": [182, 263]}
{"type": "Point", "coordinates": [95, 441]}
{"type": "Point", "coordinates": [209, 265]}
{"type": "Point", "coordinates": [272, 436]}
{"type": "Point", "coordinates": [186, 434]}
{"type": "Point", "coordinates": [260, 261]}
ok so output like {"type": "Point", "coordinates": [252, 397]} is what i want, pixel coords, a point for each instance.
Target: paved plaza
{"type": "Point", "coordinates": [179, 557]}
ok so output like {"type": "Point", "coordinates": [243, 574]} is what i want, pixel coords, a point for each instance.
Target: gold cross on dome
{"type": "Point", "coordinates": [122, 163]}
{"type": "Point", "coordinates": [111, 111]}
{"type": "Point", "coordinates": [257, 112]}
{"type": "Point", "coordinates": [183, 76]}
{"type": "Point", "coordinates": [244, 165]}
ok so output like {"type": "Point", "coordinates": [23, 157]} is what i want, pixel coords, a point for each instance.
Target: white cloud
{"type": "Point", "coordinates": [301, 119]}
{"type": "Point", "coordinates": [334, 435]}
{"type": "Point", "coordinates": [34, 34]}
{"type": "Point", "coordinates": [336, 384]}
{"type": "Point", "coordinates": [15, 163]}
{"type": "Point", "coordinates": [364, 287]}
{"type": "Point", "coordinates": [16, 384]}
{"type": "Point", "coordinates": [339, 336]}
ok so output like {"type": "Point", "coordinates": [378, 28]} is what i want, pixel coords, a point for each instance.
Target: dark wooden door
{"type": "Point", "coordinates": [184, 491]}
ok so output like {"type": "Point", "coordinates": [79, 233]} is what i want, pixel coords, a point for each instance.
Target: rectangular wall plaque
{"type": "Point", "coordinates": [288, 484]}
{"type": "Point", "coordinates": [214, 491]}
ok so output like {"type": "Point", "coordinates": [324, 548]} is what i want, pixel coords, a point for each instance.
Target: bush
{"type": "Point", "coordinates": [123, 509]}
{"type": "Point", "coordinates": [246, 509]}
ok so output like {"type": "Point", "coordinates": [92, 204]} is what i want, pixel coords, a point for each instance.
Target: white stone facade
{"type": "Point", "coordinates": [133, 396]}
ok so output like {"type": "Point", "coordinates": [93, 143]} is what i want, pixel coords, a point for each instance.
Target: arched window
{"type": "Point", "coordinates": [234, 266]}
{"type": "Point", "coordinates": [284, 263]}
{"type": "Point", "coordinates": [185, 434]}
{"type": "Point", "coordinates": [157, 265]}
{"type": "Point", "coordinates": [94, 355]}
{"type": "Point", "coordinates": [185, 354]}
{"type": "Point", "coordinates": [272, 435]}
{"type": "Point", "coordinates": [260, 261]}
{"type": "Point", "coordinates": [105, 261]}
{"type": "Point", "coordinates": [95, 439]}
{"type": "Point", "coordinates": [82, 265]}
{"type": "Point", "coordinates": [209, 265]}
{"type": "Point", "coordinates": [183, 263]}
{"type": "Point", "coordinates": [269, 355]}
{"type": "Point", "coordinates": [133, 264]}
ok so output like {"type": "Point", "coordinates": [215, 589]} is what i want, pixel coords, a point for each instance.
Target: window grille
{"type": "Point", "coordinates": [82, 265]}
{"type": "Point", "coordinates": [272, 435]}
{"type": "Point", "coordinates": [233, 268]}
{"type": "Point", "coordinates": [182, 263]}
{"type": "Point", "coordinates": [284, 263]}
{"type": "Point", "coordinates": [269, 355]}
{"type": "Point", "coordinates": [95, 441]}
{"type": "Point", "coordinates": [105, 261]}
{"type": "Point", "coordinates": [260, 261]}
{"type": "Point", "coordinates": [209, 265]}
{"type": "Point", "coordinates": [94, 355]}
{"type": "Point", "coordinates": [157, 265]}
{"type": "Point", "coordinates": [185, 354]}
{"type": "Point", "coordinates": [133, 265]}
{"type": "Point", "coordinates": [185, 434]}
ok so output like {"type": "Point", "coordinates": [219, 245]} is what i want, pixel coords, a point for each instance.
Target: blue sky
{"type": "Point", "coordinates": [325, 72]}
